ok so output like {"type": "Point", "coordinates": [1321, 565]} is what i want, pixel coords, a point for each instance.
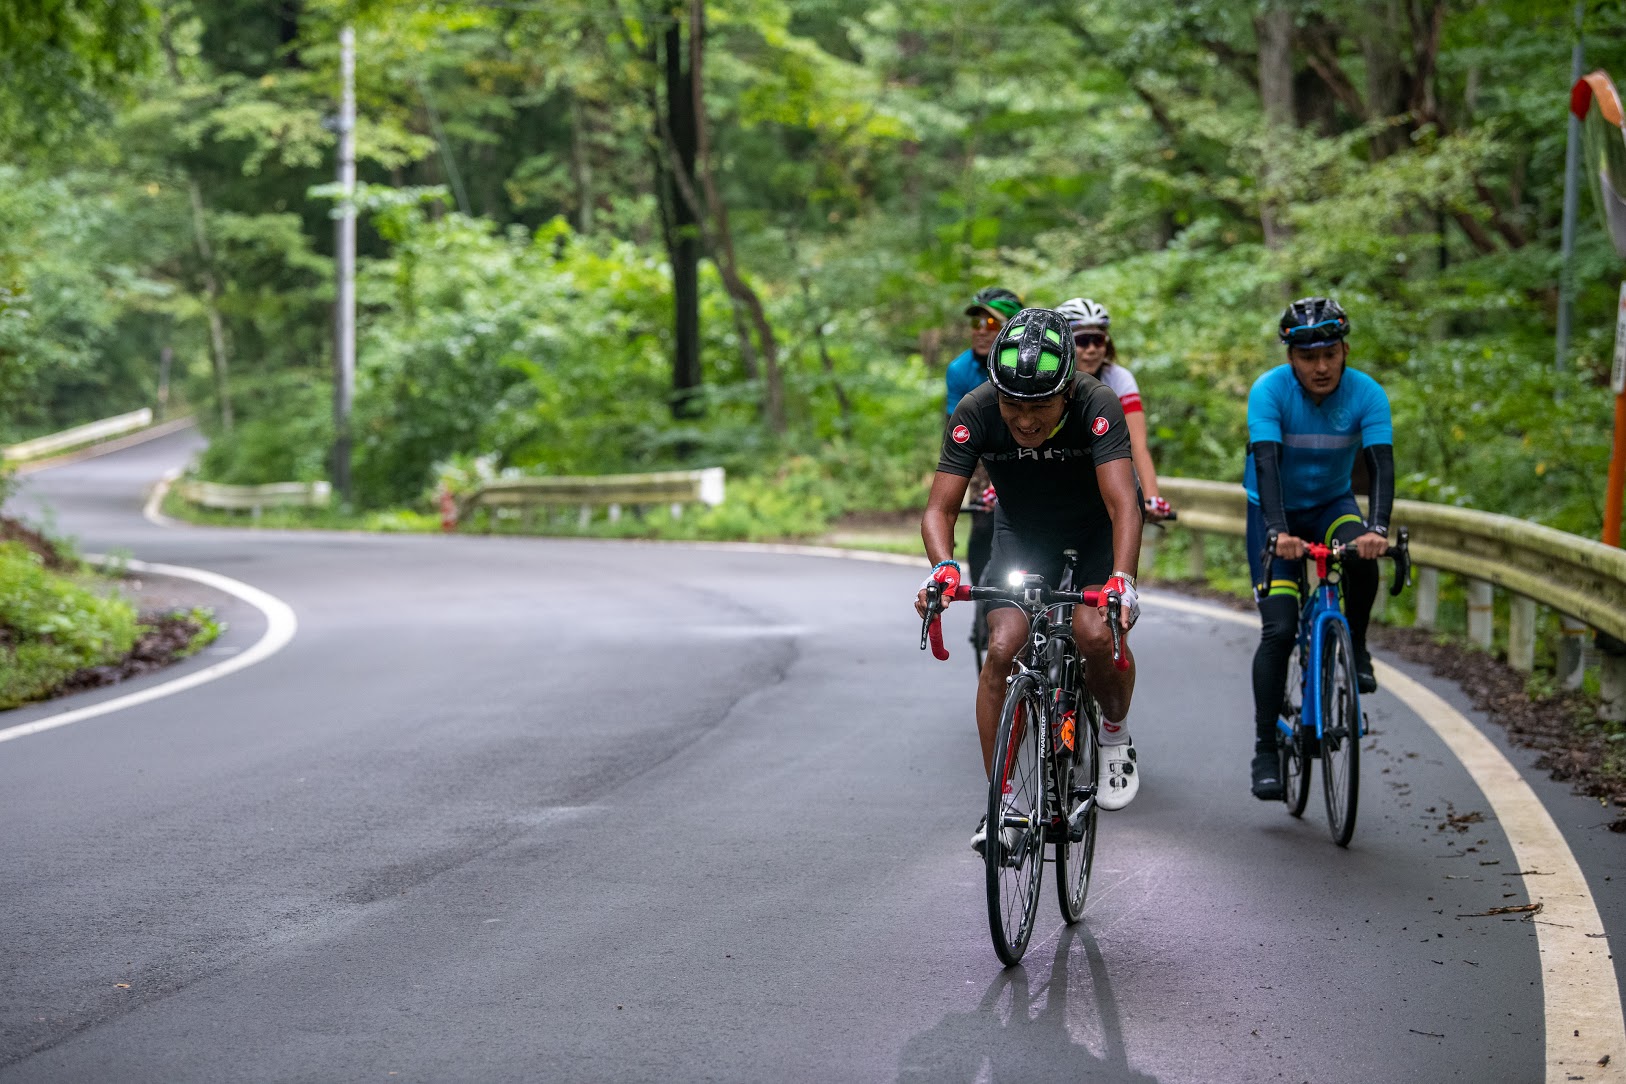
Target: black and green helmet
{"type": "Point", "coordinates": [995, 299]}
{"type": "Point", "coordinates": [1033, 356]}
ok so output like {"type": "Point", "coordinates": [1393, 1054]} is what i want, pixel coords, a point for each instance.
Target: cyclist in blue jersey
{"type": "Point", "coordinates": [989, 310]}
{"type": "Point", "coordinates": [1308, 421]}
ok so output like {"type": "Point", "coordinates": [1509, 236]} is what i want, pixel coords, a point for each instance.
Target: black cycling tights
{"type": "Point", "coordinates": [1279, 615]}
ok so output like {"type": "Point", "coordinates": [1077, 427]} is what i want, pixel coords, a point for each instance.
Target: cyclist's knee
{"type": "Point", "coordinates": [1007, 632]}
{"type": "Point", "coordinates": [1278, 619]}
{"type": "Point", "coordinates": [1091, 631]}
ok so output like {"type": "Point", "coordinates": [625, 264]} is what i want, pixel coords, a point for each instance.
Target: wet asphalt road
{"type": "Point", "coordinates": [521, 809]}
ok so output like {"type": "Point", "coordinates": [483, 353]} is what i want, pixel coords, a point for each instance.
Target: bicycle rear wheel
{"type": "Point", "coordinates": [1076, 856]}
{"type": "Point", "coordinates": [1295, 756]}
{"type": "Point", "coordinates": [1014, 852]}
{"type": "Point", "coordinates": [1340, 733]}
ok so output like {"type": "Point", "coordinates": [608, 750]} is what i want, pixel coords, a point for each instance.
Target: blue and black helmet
{"type": "Point", "coordinates": [1313, 321]}
{"type": "Point", "coordinates": [1033, 356]}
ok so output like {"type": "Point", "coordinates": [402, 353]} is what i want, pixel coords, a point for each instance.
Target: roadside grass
{"type": "Point", "coordinates": [65, 626]}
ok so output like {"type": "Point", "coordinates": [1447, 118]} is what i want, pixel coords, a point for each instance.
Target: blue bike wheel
{"type": "Point", "coordinates": [1293, 749]}
{"type": "Point", "coordinates": [1340, 732]}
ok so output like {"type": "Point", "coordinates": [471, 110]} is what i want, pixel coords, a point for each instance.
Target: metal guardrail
{"type": "Point", "coordinates": [676, 488]}
{"type": "Point", "coordinates": [1578, 577]}
{"type": "Point", "coordinates": [254, 498]}
{"type": "Point", "coordinates": [77, 436]}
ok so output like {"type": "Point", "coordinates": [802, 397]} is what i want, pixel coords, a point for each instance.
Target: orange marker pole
{"type": "Point", "coordinates": [1617, 459]}
{"type": "Point", "coordinates": [1617, 475]}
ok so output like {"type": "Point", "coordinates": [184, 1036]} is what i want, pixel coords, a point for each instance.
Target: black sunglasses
{"type": "Point", "coordinates": [1089, 338]}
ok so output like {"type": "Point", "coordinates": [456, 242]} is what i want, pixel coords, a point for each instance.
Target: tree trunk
{"type": "Point", "coordinates": [792, 249]}
{"type": "Point", "coordinates": [200, 236]}
{"type": "Point", "coordinates": [1275, 32]}
{"type": "Point", "coordinates": [683, 234]}
{"type": "Point", "coordinates": [211, 305]}
{"type": "Point", "coordinates": [723, 237]}
{"type": "Point", "coordinates": [581, 165]}
{"type": "Point", "coordinates": [1386, 90]}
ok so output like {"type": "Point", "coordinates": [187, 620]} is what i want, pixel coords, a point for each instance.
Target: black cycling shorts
{"type": "Point", "coordinates": [1030, 551]}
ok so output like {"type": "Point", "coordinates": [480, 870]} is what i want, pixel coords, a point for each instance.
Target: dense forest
{"type": "Point", "coordinates": [604, 235]}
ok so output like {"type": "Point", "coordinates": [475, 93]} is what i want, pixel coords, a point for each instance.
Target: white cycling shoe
{"type": "Point", "coordinates": [1118, 780]}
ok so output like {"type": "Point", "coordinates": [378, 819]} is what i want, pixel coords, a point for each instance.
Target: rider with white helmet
{"type": "Point", "coordinates": [1092, 342]}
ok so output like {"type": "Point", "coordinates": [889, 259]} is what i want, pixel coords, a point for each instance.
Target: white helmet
{"type": "Point", "coordinates": [1082, 312]}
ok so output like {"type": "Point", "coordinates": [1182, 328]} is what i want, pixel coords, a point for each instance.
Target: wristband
{"type": "Point", "coordinates": [1126, 577]}
{"type": "Point", "coordinates": [950, 561]}
{"type": "Point", "coordinates": [1382, 530]}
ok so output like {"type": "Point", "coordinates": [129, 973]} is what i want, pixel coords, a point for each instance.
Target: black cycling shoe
{"type": "Point", "coordinates": [1365, 678]}
{"type": "Point", "coordinates": [1267, 777]}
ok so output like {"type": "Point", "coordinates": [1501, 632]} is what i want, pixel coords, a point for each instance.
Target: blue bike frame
{"type": "Point", "coordinates": [1322, 610]}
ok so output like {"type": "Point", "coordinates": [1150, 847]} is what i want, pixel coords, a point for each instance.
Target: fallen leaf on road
{"type": "Point", "coordinates": [1516, 909]}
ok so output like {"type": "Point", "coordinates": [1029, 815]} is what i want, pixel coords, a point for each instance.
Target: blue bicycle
{"type": "Point", "coordinates": [1321, 710]}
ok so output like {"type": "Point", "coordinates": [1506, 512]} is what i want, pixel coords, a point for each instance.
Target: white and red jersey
{"type": "Point", "coordinates": [1122, 382]}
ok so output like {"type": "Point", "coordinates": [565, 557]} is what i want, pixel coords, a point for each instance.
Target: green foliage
{"type": "Point", "coordinates": [52, 625]}
{"type": "Point", "coordinates": [283, 432]}
{"type": "Point", "coordinates": [878, 161]}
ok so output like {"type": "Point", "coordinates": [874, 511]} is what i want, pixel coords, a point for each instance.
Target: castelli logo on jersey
{"type": "Point", "coordinates": [961, 434]}
{"type": "Point", "coordinates": [1100, 426]}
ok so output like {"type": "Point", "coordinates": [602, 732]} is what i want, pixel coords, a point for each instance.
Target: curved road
{"type": "Point", "coordinates": [522, 809]}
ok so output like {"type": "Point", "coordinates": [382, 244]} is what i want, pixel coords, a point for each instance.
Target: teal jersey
{"type": "Point", "coordinates": [1319, 441]}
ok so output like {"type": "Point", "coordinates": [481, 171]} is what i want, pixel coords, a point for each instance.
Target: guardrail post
{"type": "Point", "coordinates": [1571, 651]}
{"type": "Point", "coordinates": [1148, 551]}
{"type": "Point", "coordinates": [1198, 566]}
{"type": "Point", "coordinates": [1611, 679]}
{"type": "Point", "coordinates": [1427, 594]}
{"type": "Point", "coordinates": [615, 513]}
{"type": "Point", "coordinates": [677, 510]}
{"type": "Point", "coordinates": [1481, 612]}
{"type": "Point", "coordinates": [1521, 633]}
{"type": "Point", "coordinates": [584, 517]}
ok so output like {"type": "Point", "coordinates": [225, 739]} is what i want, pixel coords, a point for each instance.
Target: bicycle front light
{"type": "Point", "coordinates": [1015, 578]}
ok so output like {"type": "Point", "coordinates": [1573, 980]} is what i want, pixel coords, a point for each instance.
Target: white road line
{"type": "Point", "coordinates": [280, 626]}
{"type": "Point", "coordinates": [155, 500]}
{"type": "Point", "coordinates": [1580, 994]}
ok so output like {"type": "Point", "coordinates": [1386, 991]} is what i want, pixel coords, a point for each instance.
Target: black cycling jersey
{"type": "Point", "coordinates": [1031, 482]}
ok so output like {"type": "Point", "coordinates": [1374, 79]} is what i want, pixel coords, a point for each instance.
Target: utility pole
{"type": "Point", "coordinates": [344, 308]}
{"type": "Point", "coordinates": [1572, 177]}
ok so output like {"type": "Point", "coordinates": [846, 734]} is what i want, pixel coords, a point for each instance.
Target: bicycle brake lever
{"type": "Point", "coordinates": [930, 628]}
{"type": "Point", "coordinates": [1120, 661]}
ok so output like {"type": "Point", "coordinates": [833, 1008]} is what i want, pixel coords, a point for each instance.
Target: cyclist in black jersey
{"type": "Point", "coordinates": [1056, 447]}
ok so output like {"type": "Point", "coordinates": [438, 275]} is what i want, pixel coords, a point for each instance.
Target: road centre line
{"type": "Point", "coordinates": [281, 624]}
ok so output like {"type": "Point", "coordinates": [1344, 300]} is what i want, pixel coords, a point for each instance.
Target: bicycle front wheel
{"type": "Point", "coordinates": [1340, 733]}
{"type": "Point", "coordinates": [1075, 848]}
{"type": "Point", "coordinates": [1014, 852]}
{"type": "Point", "coordinates": [1295, 753]}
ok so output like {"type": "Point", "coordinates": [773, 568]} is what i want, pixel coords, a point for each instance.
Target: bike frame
{"type": "Point", "coordinates": [1321, 608]}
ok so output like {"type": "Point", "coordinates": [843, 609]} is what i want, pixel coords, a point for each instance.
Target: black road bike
{"type": "Point", "coordinates": [1042, 789]}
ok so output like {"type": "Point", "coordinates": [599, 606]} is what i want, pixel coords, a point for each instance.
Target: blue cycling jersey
{"type": "Point", "coordinates": [1319, 441]}
{"type": "Point", "coordinates": [965, 375]}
